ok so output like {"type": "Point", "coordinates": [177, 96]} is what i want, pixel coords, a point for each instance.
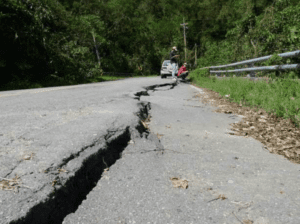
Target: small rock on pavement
{"type": "Point", "coordinates": [27, 157]}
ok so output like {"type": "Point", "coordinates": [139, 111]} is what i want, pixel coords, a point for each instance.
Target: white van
{"type": "Point", "coordinates": [166, 69]}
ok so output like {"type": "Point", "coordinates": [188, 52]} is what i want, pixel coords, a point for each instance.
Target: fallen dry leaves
{"type": "Point", "coordinates": [221, 196]}
{"type": "Point", "coordinates": [179, 183]}
{"type": "Point", "coordinates": [60, 170]}
{"type": "Point", "coordinates": [11, 184]}
{"type": "Point", "coordinates": [54, 183]}
{"type": "Point", "coordinates": [146, 122]}
{"type": "Point", "coordinates": [280, 136]}
{"type": "Point", "coordinates": [159, 136]}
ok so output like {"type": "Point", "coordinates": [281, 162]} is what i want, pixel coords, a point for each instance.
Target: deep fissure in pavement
{"type": "Point", "coordinates": [67, 197]}
{"type": "Point", "coordinates": [161, 85]}
{"type": "Point", "coordinates": [153, 88]}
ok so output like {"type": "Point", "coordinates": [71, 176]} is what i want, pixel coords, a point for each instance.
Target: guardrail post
{"type": "Point", "coordinates": [234, 74]}
{"type": "Point", "coordinates": [237, 73]}
{"type": "Point", "coordinates": [218, 74]}
{"type": "Point", "coordinates": [252, 74]}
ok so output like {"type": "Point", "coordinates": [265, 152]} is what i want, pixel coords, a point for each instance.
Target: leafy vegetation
{"type": "Point", "coordinates": [255, 29]}
{"type": "Point", "coordinates": [75, 40]}
{"type": "Point", "coordinates": [278, 96]}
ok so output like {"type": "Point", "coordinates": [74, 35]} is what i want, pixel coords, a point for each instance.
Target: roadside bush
{"type": "Point", "coordinates": [199, 73]}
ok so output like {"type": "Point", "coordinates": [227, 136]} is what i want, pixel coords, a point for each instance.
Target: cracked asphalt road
{"type": "Point", "coordinates": [47, 134]}
{"type": "Point", "coordinates": [230, 179]}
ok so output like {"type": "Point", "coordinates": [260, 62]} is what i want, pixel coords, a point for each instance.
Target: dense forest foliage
{"type": "Point", "coordinates": [60, 38]}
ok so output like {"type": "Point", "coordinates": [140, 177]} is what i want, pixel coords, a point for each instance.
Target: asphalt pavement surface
{"type": "Point", "coordinates": [142, 150]}
{"type": "Point", "coordinates": [52, 140]}
{"type": "Point", "coordinates": [202, 175]}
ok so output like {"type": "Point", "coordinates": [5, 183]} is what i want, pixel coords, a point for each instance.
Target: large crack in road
{"type": "Point", "coordinates": [172, 160]}
{"type": "Point", "coordinates": [70, 189]}
{"type": "Point", "coordinates": [197, 173]}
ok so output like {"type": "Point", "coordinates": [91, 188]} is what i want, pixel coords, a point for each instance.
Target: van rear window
{"type": "Point", "coordinates": [166, 63]}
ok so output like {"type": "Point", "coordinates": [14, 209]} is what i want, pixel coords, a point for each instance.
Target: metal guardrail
{"type": "Point", "coordinates": [264, 68]}
{"type": "Point", "coordinates": [251, 68]}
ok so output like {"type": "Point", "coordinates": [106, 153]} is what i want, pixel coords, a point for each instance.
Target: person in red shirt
{"type": "Point", "coordinates": [183, 73]}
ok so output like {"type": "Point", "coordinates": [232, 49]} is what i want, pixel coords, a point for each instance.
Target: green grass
{"type": "Point", "coordinates": [52, 82]}
{"type": "Point", "coordinates": [281, 96]}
